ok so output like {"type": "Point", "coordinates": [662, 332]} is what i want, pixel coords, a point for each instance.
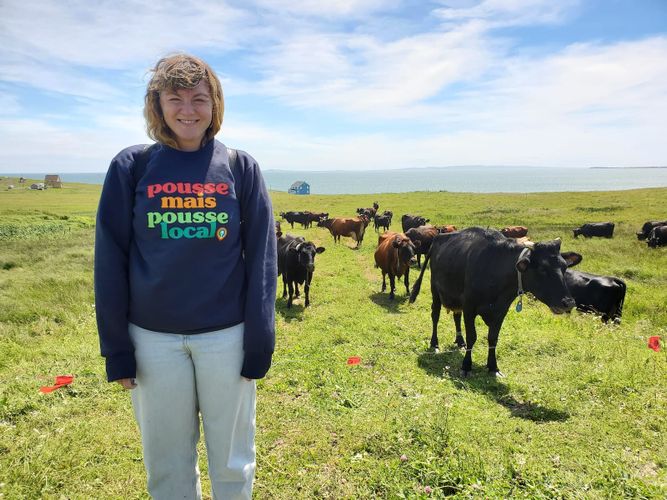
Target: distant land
{"type": "Point", "coordinates": [627, 167]}
{"type": "Point", "coordinates": [471, 179]}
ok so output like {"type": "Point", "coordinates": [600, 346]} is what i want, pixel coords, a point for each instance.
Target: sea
{"type": "Point", "coordinates": [471, 179]}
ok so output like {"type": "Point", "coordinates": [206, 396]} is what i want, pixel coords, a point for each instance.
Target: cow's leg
{"type": "Point", "coordinates": [306, 287]}
{"type": "Point", "coordinates": [291, 294]}
{"type": "Point", "coordinates": [471, 338]}
{"type": "Point", "coordinates": [392, 286]}
{"type": "Point", "coordinates": [384, 281]}
{"type": "Point", "coordinates": [494, 331]}
{"type": "Point", "coordinates": [297, 294]}
{"type": "Point", "coordinates": [459, 335]}
{"type": "Point", "coordinates": [419, 261]}
{"type": "Point", "coordinates": [284, 286]}
{"type": "Point", "coordinates": [436, 306]}
{"type": "Point", "coordinates": [407, 281]}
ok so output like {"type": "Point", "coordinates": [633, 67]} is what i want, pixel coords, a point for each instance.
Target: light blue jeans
{"type": "Point", "coordinates": [178, 378]}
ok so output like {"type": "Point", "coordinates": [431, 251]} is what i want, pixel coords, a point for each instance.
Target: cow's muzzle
{"type": "Point", "coordinates": [566, 305]}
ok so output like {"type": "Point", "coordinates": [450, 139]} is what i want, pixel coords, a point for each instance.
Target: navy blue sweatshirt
{"type": "Point", "coordinates": [187, 250]}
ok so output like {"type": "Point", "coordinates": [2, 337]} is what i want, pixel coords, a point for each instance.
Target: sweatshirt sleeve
{"type": "Point", "coordinates": [113, 236]}
{"type": "Point", "coordinates": [259, 248]}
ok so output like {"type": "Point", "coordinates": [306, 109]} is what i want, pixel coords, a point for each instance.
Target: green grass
{"type": "Point", "coordinates": [582, 413]}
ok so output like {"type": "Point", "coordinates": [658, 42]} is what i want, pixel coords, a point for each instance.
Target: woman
{"type": "Point", "coordinates": [185, 278]}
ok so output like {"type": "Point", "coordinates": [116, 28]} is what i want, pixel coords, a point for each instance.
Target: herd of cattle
{"type": "Point", "coordinates": [474, 271]}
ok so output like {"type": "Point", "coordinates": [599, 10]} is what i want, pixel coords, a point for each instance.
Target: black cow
{"type": "Point", "coordinates": [603, 229]}
{"type": "Point", "coordinates": [369, 212]}
{"type": "Point", "coordinates": [480, 272]}
{"type": "Point", "coordinates": [383, 221]}
{"type": "Point", "coordinates": [316, 217]}
{"type": "Point", "coordinates": [603, 295]}
{"type": "Point", "coordinates": [409, 221]}
{"type": "Point", "coordinates": [296, 262]}
{"type": "Point", "coordinates": [291, 217]}
{"type": "Point", "coordinates": [658, 237]}
{"type": "Point", "coordinates": [648, 227]}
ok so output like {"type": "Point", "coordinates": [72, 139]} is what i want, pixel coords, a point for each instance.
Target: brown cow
{"type": "Point", "coordinates": [353, 227]}
{"type": "Point", "coordinates": [514, 231]}
{"type": "Point", "coordinates": [393, 256]}
{"type": "Point", "coordinates": [447, 228]}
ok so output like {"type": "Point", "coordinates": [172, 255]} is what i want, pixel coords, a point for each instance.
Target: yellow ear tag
{"type": "Point", "coordinates": [221, 233]}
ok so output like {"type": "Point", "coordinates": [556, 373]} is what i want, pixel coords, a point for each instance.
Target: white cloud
{"type": "Point", "coordinates": [360, 74]}
{"type": "Point", "coordinates": [509, 12]}
{"type": "Point", "coordinates": [327, 8]}
{"type": "Point", "coordinates": [116, 34]}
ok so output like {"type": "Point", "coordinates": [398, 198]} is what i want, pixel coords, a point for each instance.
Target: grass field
{"type": "Point", "coordinates": [581, 414]}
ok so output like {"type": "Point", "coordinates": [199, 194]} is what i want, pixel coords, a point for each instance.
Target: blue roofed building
{"type": "Point", "coordinates": [299, 187]}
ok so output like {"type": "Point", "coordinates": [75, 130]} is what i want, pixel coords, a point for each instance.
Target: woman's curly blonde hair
{"type": "Point", "coordinates": [180, 71]}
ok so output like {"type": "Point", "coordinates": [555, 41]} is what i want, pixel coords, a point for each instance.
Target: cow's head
{"type": "Point", "coordinates": [576, 231]}
{"type": "Point", "coordinates": [406, 248]}
{"type": "Point", "coordinates": [324, 222]}
{"type": "Point", "coordinates": [305, 253]}
{"type": "Point", "coordinates": [376, 205]}
{"type": "Point", "coordinates": [542, 272]}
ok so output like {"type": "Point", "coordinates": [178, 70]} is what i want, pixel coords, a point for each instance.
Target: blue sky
{"type": "Point", "coordinates": [345, 84]}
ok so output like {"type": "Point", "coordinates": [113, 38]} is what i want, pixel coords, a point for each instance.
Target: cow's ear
{"type": "Point", "coordinates": [572, 258]}
{"type": "Point", "coordinates": [397, 242]}
{"type": "Point", "coordinates": [279, 234]}
{"type": "Point", "coordinates": [523, 263]}
{"type": "Point", "coordinates": [320, 249]}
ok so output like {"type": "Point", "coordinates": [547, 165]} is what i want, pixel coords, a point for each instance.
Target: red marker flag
{"type": "Point", "coordinates": [353, 360]}
{"type": "Point", "coordinates": [654, 343]}
{"type": "Point", "coordinates": [61, 381]}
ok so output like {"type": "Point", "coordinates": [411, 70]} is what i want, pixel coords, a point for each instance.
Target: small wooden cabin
{"type": "Point", "coordinates": [299, 187]}
{"type": "Point", "coordinates": [52, 181]}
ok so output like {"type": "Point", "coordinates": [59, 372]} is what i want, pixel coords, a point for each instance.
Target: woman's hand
{"type": "Point", "coordinates": [127, 383]}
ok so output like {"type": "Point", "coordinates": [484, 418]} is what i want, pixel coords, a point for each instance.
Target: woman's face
{"type": "Point", "coordinates": [188, 113]}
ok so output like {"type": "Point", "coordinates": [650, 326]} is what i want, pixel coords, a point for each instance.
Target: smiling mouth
{"type": "Point", "coordinates": [188, 122]}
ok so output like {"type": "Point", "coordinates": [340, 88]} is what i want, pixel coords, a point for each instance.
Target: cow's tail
{"type": "Point", "coordinates": [417, 286]}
